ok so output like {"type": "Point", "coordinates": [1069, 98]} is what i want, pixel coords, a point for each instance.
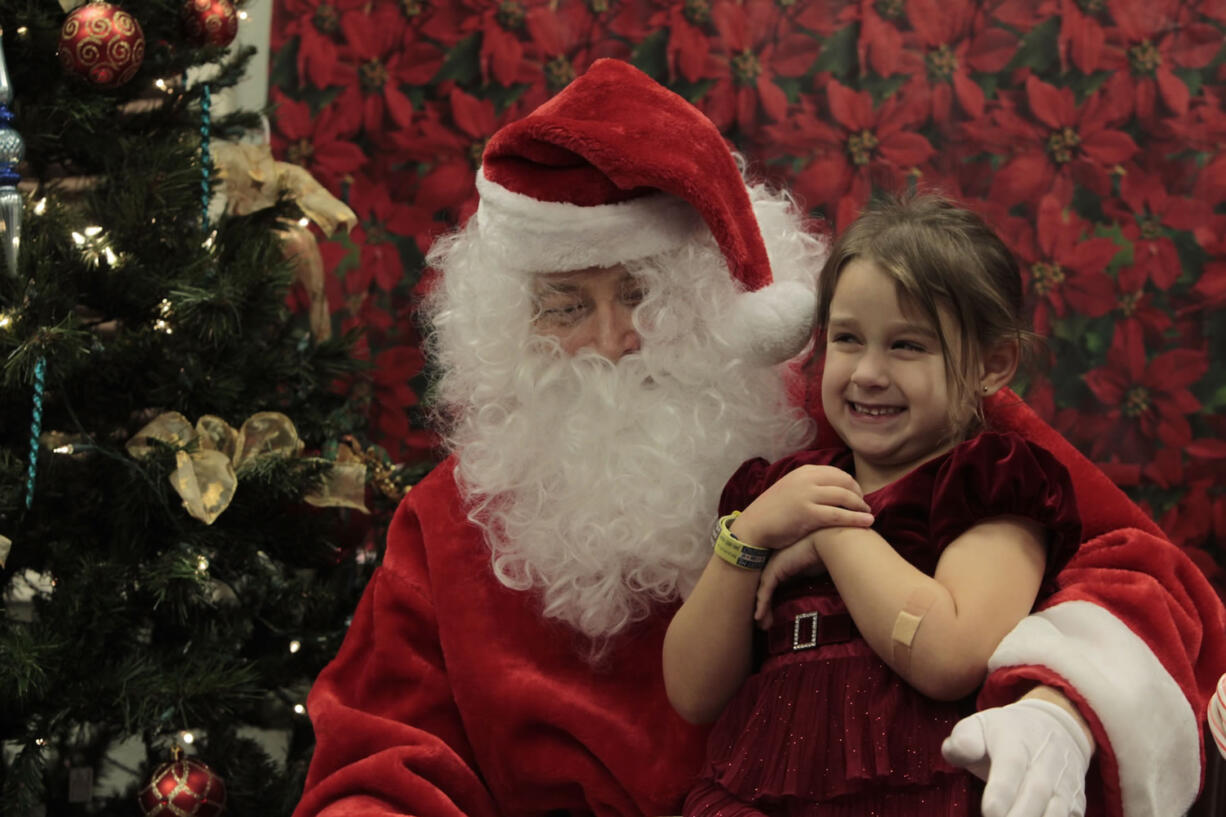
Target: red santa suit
{"type": "Point", "coordinates": [452, 694]}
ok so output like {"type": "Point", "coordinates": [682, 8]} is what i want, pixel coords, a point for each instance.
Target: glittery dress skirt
{"type": "Point", "coordinates": [826, 729]}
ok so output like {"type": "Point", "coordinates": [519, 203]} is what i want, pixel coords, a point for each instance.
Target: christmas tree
{"type": "Point", "coordinates": [180, 498]}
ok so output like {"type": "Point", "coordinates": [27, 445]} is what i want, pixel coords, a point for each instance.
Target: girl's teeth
{"type": "Point", "coordinates": [875, 412]}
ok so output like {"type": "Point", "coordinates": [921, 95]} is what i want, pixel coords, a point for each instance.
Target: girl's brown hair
{"type": "Point", "coordinates": [940, 255]}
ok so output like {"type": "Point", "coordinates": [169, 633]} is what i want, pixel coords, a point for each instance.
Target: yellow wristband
{"type": "Point", "coordinates": [733, 550]}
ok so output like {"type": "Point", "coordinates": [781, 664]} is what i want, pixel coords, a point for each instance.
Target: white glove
{"type": "Point", "coordinates": [1032, 754]}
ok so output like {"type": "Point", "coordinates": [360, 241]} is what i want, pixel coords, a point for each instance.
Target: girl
{"type": "Point", "coordinates": [898, 559]}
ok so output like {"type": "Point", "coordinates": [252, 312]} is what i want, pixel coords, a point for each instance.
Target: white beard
{"type": "Point", "coordinates": [597, 484]}
{"type": "Point", "coordinates": [599, 488]}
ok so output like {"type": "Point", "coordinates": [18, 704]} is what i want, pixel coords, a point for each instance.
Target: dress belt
{"type": "Point", "coordinates": [805, 631]}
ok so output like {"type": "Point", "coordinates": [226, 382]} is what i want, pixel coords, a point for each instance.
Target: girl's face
{"type": "Point", "coordinates": [884, 387]}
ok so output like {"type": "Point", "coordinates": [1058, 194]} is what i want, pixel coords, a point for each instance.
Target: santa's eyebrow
{"type": "Point", "coordinates": [564, 287]}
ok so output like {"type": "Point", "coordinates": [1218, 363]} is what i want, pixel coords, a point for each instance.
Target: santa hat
{"type": "Point", "coordinates": [617, 168]}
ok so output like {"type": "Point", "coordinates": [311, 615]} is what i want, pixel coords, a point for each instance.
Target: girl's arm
{"type": "Point", "coordinates": [986, 581]}
{"type": "Point", "coordinates": [708, 649]}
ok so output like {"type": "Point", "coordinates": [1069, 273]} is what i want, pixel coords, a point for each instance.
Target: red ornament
{"type": "Point", "coordinates": [102, 43]}
{"type": "Point", "coordinates": [184, 787]}
{"type": "Point", "coordinates": [210, 22]}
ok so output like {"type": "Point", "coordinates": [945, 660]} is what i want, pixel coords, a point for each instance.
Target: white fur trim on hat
{"type": "Point", "coordinates": [547, 236]}
{"type": "Point", "coordinates": [1148, 720]}
{"type": "Point", "coordinates": [772, 324]}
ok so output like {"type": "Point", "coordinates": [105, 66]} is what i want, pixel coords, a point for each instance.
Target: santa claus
{"type": "Point", "coordinates": [613, 329]}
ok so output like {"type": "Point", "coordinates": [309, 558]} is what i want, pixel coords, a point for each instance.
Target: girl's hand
{"type": "Point", "coordinates": [799, 559]}
{"type": "Point", "coordinates": [809, 498]}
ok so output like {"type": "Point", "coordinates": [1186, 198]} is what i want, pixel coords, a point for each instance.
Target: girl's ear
{"type": "Point", "coordinates": [999, 365]}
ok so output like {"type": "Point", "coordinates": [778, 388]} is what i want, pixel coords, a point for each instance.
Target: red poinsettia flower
{"type": "Point", "coordinates": [1203, 130]}
{"type": "Point", "coordinates": [1209, 291]}
{"type": "Point", "coordinates": [563, 47]}
{"type": "Point", "coordinates": [880, 44]}
{"type": "Point", "coordinates": [316, 24]}
{"type": "Point", "coordinates": [1151, 215]}
{"type": "Point", "coordinates": [953, 38]}
{"type": "Point", "coordinates": [449, 139]}
{"type": "Point", "coordinates": [1083, 34]}
{"type": "Point", "coordinates": [318, 143]}
{"type": "Point", "coordinates": [687, 23]}
{"type": "Point", "coordinates": [1152, 39]}
{"type": "Point", "coordinates": [1188, 523]}
{"type": "Point", "coordinates": [1134, 304]}
{"type": "Point", "coordinates": [1064, 265]}
{"type": "Point", "coordinates": [865, 146]}
{"type": "Point", "coordinates": [1062, 142]}
{"type": "Point", "coordinates": [394, 368]}
{"type": "Point", "coordinates": [375, 63]}
{"type": "Point", "coordinates": [1145, 401]}
{"type": "Point", "coordinates": [502, 26]}
{"type": "Point", "coordinates": [749, 53]}
{"type": "Point", "coordinates": [381, 221]}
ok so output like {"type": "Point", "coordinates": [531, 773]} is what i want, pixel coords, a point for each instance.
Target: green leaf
{"type": "Point", "coordinates": [692, 91]}
{"type": "Point", "coordinates": [1084, 85]}
{"type": "Point", "coordinates": [1192, 256]}
{"type": "Point", "coordinates": [651, 55]}
{"type": "Point", "coordinates": [839, 53]}
{"type": "Point", "coordinates": [462, 63]}
{"type": "Point", "coordinates": [283, 71]}
{"type": "Point", "coordinates": [1193, 79]}
{"type": "Point", "coordinates": [882, 88]}
{"type": "Point", "coordinates": [1038, 49]}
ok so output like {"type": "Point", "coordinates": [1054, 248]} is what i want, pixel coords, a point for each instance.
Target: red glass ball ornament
{"type": "Point", "coordinates": [210, 22]}
{"type": "Point", "coordinates": [102, 43]}
{"type": "Point", "coordinates": [184, 787]}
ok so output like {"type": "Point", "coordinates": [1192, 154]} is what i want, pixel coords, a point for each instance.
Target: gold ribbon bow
{"type": "Point", "coordinates": [251, 179]}
{"type": "Point", "coordinates": [206, 476]}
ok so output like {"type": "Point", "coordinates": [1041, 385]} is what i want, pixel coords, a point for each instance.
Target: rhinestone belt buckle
{"type": "Point", "coordinates": [811, 641]}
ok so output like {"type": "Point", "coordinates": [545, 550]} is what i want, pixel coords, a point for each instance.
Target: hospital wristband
{"type": "Point", "coordinates": [733, 550]}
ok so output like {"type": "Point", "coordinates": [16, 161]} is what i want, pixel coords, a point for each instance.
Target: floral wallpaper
{"type": "Point", "coordinates": [1090, 132]}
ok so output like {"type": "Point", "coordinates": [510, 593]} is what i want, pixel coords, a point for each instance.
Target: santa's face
{"type": "Point", "coordinates": [590, 308]}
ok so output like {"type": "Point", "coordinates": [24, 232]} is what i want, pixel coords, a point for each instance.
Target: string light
{"type": "Point", "coordinates": [63, 449]}
{"type": "Point", "coordinates": [304, 222]}
{"type": "Point", "coordinates": [202, 564]}
{"type": "Point", "coordinates": [6, 320]}
{"type": "Point", "coordinates": [41, 206]}
{"type": "Point", "coordinates": [242, 15]}
{"type": "Point", "coordinates": [208, 242]}
{"type": "Point", "coordinates": [94, 245]}
{"type": "Point", "coordinates": [187, 737]}
{"type": "Point", "coordinates": [299, 709]}
{"type": "Point", "coordinates": [162, 324]}
{"type": "Point", "coordinates": [295, 645]}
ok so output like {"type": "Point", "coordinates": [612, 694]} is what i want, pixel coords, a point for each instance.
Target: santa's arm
{"type": "Point", "coordinates": [1136, 638]}
{"type": "Point", "coordinates": [389, 739]}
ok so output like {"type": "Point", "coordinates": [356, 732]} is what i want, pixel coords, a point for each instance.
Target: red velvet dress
{"type": "Point", "coordinates": [827, 728]}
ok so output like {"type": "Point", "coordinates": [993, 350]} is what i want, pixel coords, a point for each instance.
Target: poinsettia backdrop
{"type": "Point", "coordinates": [1088, 131]}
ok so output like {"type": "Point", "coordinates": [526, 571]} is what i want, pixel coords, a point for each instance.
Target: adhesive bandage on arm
{"type": "Point", "coordinates": [907, 624]}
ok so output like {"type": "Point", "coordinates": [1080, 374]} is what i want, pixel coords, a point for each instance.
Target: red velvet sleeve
{"type": "Point", "coordinates": [1006, 475]}
{"type": "Point", "coordinates": [756, 475]}
{"type": "Point", "coordinates": [389, 739]}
